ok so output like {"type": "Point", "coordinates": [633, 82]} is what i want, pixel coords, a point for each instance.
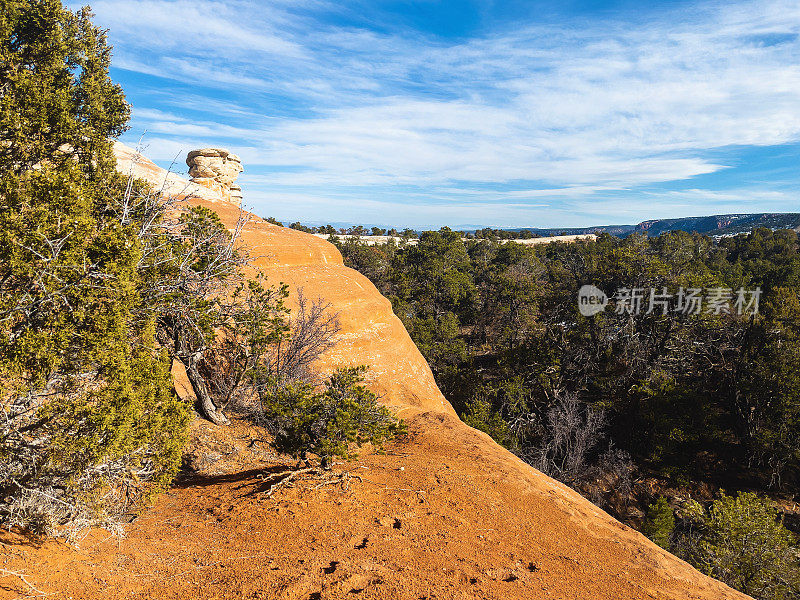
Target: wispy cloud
{"type": "Point", "coordinates": [576, 110]}
{"type": "Point", "coordinates": [205, 27]}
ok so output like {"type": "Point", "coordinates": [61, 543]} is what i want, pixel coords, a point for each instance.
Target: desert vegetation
{"type": "Point", "coordinates": [618, 406]}
{"type": "Point", "coordinates": [104, 282]}
{"type": "Point", "coordinates": [740, 540]}
{"type": "Point", "coordinates": [88, 417]}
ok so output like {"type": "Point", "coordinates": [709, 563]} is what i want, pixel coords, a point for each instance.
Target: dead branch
{"type": "Point", "coordinates": [313, 329]}
{"type": "Point", "coordinates": [21, 576]}
{"type": "Point", "coordinates": [284, 478]}
{"type": "Point", "coordinates": [342, 478]}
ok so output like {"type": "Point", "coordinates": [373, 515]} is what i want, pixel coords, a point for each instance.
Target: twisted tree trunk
{"type": "Point", "coordinates": [205, 405]}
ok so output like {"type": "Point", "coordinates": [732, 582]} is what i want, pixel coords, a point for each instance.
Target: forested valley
{"type": "Point", "coordinates": [682, 423]}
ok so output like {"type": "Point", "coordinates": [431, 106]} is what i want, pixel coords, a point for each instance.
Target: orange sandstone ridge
{"type": "Point", "coordinates": [447, 513]}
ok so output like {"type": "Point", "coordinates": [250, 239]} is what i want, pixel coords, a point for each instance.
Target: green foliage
{"type": "Point", "coordinates": [481, 415]}
{"type": "Point", "coordinates": [692, 397]}
{"type": "Point", "coordinates": [672, 419]}
{"type": "Point", "coordinates": [439, 339]}
{"type": "Point", "coordinates": [659, 523]}
{"type": "Point", "coordinates": [442, 274]}
{"type": "Point", "coordinates": [502, 409]}
{"type": "Point", "coordinates": [187, 275]}
{"type": "Point", "coordinates": [768, 409]}
{"type": "Point", "coordinates": [55, 88]}
{"type": "Point", "coordinates": [90, 424]}
{"type": "Point", "coordinates": [679, 391]}
{"type": "Point", "coordinates": [103, 282]}
{"type": "Point", "coordinates": [300, 227]}
{"type": "Point", "coordinates": [259, 315]}
{"type": "Point", "coordinates": [372, 261]}
{"type": "Point", "coordinates": [327, 422]}
{"type": "Point", "coordinates": [87, 396]}
{"type": "Point", "coordinates": [134, 419]}
{"type": "Point", "coordinates": [745, 545]}
{"type": "Point", "coordinates": [248, 327]}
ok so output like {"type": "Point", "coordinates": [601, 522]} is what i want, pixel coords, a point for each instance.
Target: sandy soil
{"type": "Point", "coordinates": [444, 514]}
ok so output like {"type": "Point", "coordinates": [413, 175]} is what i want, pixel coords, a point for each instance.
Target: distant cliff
{"type": "Point", "coordinates": [715, 225]}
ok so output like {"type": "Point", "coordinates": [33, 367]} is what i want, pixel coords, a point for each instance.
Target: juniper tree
{"type": "Point", "coordinates": [188, 276]}
{"type": "Point", "coordinates": [88, 421]}
{"type": "Point", "coordinates": [742, 541]}
{"type": "Point", "coordinates": [327, 421]}
{"type": "Point", "coordinates": [250, 325]}
{"type": "Point", "coordinates": [103, 282]}
{"type": "Point", "coordinates": [57, 103]}
{"type": "Point", "coordinates": [659, 523]}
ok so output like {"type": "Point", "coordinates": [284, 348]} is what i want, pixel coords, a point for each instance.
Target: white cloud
{"type": "Point", "coordinates": [576, 111]}
{"type": "Point", "coordinates": [204, 26]}
{"type": "Point", "coordinates": [156, 121]}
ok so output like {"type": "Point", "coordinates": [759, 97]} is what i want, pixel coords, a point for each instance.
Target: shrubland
{"type": "Point", "coordinates": [615, 405]}
{"type": "Point", "coordinates": [104, 282]}
{"type": "Point", "coordinates": [740, 540]}
{"type": "Point", "coordinates": [500, 326]}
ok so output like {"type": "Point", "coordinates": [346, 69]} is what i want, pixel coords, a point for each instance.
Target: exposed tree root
{"type": "Point", "coordinates": [342, 478]}
{"type": "Point", "coordinates": [276, 481]}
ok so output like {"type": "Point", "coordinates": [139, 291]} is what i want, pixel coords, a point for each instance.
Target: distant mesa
{"type": "Point", "coordinates": [216, 169]}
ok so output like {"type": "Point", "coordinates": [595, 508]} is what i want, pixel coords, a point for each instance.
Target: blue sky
{"type": "Point", "coordinates": [503, 113]}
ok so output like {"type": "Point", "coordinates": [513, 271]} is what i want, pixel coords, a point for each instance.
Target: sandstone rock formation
{"type": "Point", "coordinates": [129, 161]}
{"type": "Point", "coordinates": [446, 514]}
{"type": "Point", "coordinates": [236, 194]}
{"type": "Point", "coordinates": [216, 169]}
{"type": "Point", "coordinates": [213, 171]}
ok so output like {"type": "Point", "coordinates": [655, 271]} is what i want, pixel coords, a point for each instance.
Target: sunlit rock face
{"type": "Point", "coordinates": [236, 195]}
{"type": "Point", "coordinates": [216, 169]}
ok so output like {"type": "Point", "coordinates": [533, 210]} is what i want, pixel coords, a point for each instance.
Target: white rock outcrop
{"type": "Point", "coordinates": [132, 163]}
{"type": "Point", "coordinates": [216, 169]}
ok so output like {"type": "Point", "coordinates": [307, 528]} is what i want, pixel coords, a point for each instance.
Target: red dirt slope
{"type": "Point", "coordinates": [447, 513]}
